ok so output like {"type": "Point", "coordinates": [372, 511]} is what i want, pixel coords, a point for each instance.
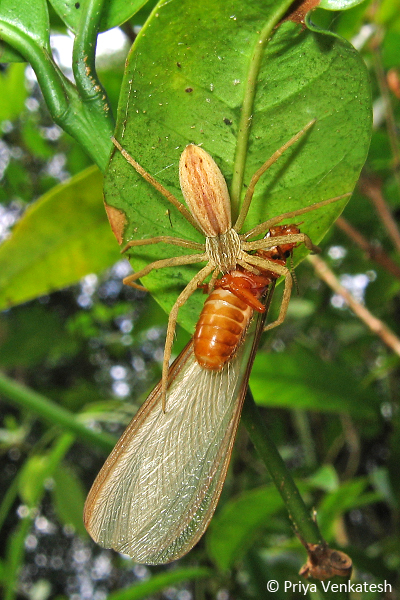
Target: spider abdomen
{"type": "Point", "coordinates": [220, 328]}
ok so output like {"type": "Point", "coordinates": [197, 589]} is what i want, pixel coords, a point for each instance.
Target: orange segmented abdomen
{"type": "Point", "coordinates": [220, 329]}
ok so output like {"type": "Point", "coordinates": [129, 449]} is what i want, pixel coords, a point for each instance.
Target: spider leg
{"type": "Point", "coordinates": [182, 298]}
{"type": "Point", "coordinates": [161, 264]}
{"type": "Point", "coordinates": [279, 270]}
{"type": "Point", "coordinates": [158, 186]}
{"type": "Point", "coordinates": [271, 242]}
{"type": "Point", "coordinates": [247, 266]}
{"type": "Point", "coordinates": [253, 181]}
{"type": "Point", "coordinates": [263, 227]}
{"type": "Point", "coordinates": [166, 239]}
{"type": "Point", "coordinates": [213, 280]}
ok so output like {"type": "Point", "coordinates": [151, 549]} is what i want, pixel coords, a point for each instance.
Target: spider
{"type": "Point", "coordinates": [206, 194]}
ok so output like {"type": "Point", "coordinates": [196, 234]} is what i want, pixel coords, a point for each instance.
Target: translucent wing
{"type": "Point", "coordinates": [158, 489]}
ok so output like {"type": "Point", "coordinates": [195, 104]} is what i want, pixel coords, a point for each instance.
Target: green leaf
{"type": "Point", "coordinates": [8, 55]}
{"type": "Point", "coordinates": [33, 336]}
{"type": "Point", "coordinates": [232, 531]}
{"type": "Point", "coordinates": [388, 15]}
{"type": "Point", "coordinates": [157, 583]}
{"type": "Point", "coordinates": [39, 467]}
{"type": "Point", "coordinates": [31, 18]}
{"type": "Point", "coordinates": [325, 478]}
{"type": "Point", "coordinates": [187, 82]}
{"type": "Point", "coordinates": [380, 479]}
{"type": "Point", "coordinates": [69, 498]}
{"type": "Point", "coordinates": [64, 236]}
{"type": "Point", "coordinates": [13, 92]}
{"type": "Point", "coordinates": [298, 379]}
{"type": "Point", "coordinates": [115, 12]}
{"type": "Point", "coordinates": [350, 495]}
{"type": "Point", "coordinates": [34, 140]}
{"type": "Point", "coordinates": [36, 469]}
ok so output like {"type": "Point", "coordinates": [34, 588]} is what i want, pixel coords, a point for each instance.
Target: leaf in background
{"type": "Point", "coordinates": [69, 498]}
{"type": "Point", "coordinates": [380, 479]}
{"type": "Point", "coordinates": [350, 495]}
{"type": "Point", "coordinates": [39, 467]}
{"type": "Point", "coordinates": [34, 141]}
{"type": "Point", "coordinates": [13, 92]}
{"type": "Point", "coordinates": [32, 336]}
{"type": "Point", "coordinates": [31, 18]}
{"type": "Point", "coordinates": [326, 478]}
{"type": "Point", "coordinates": [115, 12]}
{"type": "Point", "coordinates": [62, 237]}
{"type": "Point", "coordinates": [298, 379]}
{"type": "Point", "coordinates": [188, 79]}
{"type": "Point", "coordinates": [31, 480]}
{"type": "Point", "coordinates": [232, 531]}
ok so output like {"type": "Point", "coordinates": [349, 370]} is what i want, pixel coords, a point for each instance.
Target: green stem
{"type": "Point", "coordinates": [84, 53]}
{"type": "Point", "coordinates": [16, 545]}
{"type": "Point", "coordinates": [92, 95]}
{"type": "Point", "coordinates": [15, 556]}
{"type": "Point", "coordinates": [53, 413]}
{"type": "Point", "coordinates": [300, 516]}
{"type": "Point", "coordinates": [304, 524]}
{"type": "Point", "coordinates": [53, 83]}
{"type": "Point", "coordinates": [302, 425]}
{"type": "Point", "coordinates": [8, 500]}
{"type": "Point", "coordinates": [248, 104]}
{"type": "Point", "coordinates": [81, 111]}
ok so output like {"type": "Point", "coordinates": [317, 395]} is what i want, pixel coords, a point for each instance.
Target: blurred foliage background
{"type": "Point", "coordinates": [93, 351]}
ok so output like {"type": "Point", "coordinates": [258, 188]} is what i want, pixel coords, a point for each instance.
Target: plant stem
{"type": "Point", "coordinates": [375, 325]}
{"type": "Point", "coordinates": [14, 557]}
{"type": "Point", "coordinates": [52, 412]}
{"type": "Point", "coordinates": [53, 83]}
{"type": "Point", "coordinates": [16, 546]}
{"type": "Point", "coordinates": [81, 111]}
{"type": "Point", "coordinates": [248, 102]}
{"type": "Point", "coordinates": [300, 516]}
{"type": "Point", "coordinates": [84, 52]}
{"type": "Point", "coordinates": [305, 526]}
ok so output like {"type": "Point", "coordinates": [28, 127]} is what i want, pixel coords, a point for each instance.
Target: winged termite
{"type": "Point", "coordinates": [158, 490]}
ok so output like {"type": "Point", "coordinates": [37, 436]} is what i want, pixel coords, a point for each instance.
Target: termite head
{"type": "Point", "coordinates": [205, 191]}
{"type": "Point", "coordinates": [279, 230]}
{"type": "Point", "coordinates": [283, 251]}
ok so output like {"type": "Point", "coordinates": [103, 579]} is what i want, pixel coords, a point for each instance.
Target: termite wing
{"type": "Point", "coordinates": [156, 493]}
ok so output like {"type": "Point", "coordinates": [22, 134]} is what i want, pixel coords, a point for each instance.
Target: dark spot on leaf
{"type": "Point", "coordinates": [77, 4]}
{"type": "Point", "coordinates": [189, 90]}
{"type": "Point", "coordinates": [227, 121]}
{"type": "Point", "coordinates": [178, 65]}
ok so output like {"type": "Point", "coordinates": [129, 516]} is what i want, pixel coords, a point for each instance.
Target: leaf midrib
{"type": "Point", "coordinates": [248, 104]}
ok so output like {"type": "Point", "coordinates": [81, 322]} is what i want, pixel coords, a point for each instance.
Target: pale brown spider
{"type": "Point", "coordinates": [205, 191]}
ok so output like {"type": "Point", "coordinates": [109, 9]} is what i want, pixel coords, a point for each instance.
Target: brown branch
{"type": "Point", "coordinates": [372, 189]}
{"type": "Point", "coordinates": [375, 325]}
{"type": "Point", "coordinates": [373, 252]}
{"type": "Point", "coordinates": [389, 113]}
